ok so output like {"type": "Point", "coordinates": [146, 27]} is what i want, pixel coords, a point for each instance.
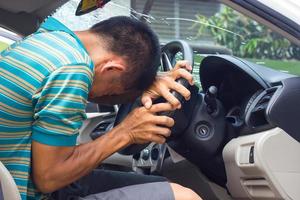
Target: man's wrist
{"type": "Point", "coordinates": [120, 135]}
{"type": "Point", "coordinates": [111, 142]}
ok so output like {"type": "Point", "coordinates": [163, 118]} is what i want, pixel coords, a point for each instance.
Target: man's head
{"type": "Point", "coordinates": [126, 55]}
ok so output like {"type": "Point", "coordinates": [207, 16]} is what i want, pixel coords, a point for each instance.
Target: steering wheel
{"type": "Point", "coordinates": [181, 116]}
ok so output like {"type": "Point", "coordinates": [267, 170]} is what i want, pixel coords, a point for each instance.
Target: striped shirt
{"type": "Point", "coordinates": [44, 83]}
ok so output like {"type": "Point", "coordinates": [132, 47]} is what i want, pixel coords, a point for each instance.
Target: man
{"type": "Point", "coordinates": [46, 80]}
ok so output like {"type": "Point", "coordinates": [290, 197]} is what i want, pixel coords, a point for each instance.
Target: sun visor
{"type": "Point", "coordinates": [86, 6]}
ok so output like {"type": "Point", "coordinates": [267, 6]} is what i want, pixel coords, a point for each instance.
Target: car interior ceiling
{"type": "Point", "coordinates": [24, 17]}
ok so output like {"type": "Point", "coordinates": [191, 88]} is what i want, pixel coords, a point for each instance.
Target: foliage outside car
{"type": "Point", "coordinates": [3, 46]}
{"type": "Point", "coordinates": [249, 39]}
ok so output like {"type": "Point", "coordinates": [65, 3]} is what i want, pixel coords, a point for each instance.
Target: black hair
{"type": "Point", "coordinates": [137, 43]}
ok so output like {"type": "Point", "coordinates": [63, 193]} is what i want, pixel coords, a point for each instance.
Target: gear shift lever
{"type": "Point", "coordinates": [210, 99]}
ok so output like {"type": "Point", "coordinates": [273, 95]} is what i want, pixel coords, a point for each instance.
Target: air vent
{"type": "Point", "coordinates": [258, 112]}
{"type": "Point", "coordinates": [264, 101]}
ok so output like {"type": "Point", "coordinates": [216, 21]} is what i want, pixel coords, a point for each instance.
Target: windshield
{"type": "Point", "coordinates": [210, 27]}
{"type": "Point", "coordinates": [6, 38]}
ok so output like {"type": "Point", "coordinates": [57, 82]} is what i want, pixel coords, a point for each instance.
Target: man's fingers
{"type": "Point", "coordinates": [161, 131]}
{"type": "Point", "coordinates": [161, 107]}
{"type": "Point", "coordinates": [181, 90]}
{"type": "Point", "coordinates": [182, 73]}
{"type": "Point", "coordinates": [183, 64]}
{"type": "Point", "coordinates": [146, 101]}
{"type": "Point", "coordinates": [171, 99]}
{"type": "Point", "coordinates": [157, 139]}
{"type": "Point", "coordinates": [164, 121]}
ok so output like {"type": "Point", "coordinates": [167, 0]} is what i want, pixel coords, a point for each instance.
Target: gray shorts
{"type": "Point", "coordinates": [114, 185]}
{"type": "Point", "coordinates": [147, 191]}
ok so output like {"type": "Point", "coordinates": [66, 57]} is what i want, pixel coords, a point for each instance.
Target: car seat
{"type": "Point", "coordinates": [9, 188]}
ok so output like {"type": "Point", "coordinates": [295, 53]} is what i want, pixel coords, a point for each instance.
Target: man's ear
{"type": "Point", "coordinates": [112, 66]}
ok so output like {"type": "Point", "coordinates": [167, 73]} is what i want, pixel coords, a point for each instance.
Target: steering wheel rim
{"type": "Point", "coordinates": [168, 60]}
{"type": "Point", "coordinates": [170, 50]}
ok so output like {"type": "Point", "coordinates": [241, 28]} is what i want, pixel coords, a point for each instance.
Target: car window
{"type": "Point", "coordinates": [210, 27]}
{"type": "Point", "coordinates": [6, 38]}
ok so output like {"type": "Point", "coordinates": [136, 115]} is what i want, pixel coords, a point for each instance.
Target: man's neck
{"type": "Point", "coordinates": [86, 39]}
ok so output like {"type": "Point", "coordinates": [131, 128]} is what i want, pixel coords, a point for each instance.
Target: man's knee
{"type": "Point", "coordinates": [183, 193]}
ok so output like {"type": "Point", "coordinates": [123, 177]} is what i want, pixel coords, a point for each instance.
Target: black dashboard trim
{"type": "Point", "coordinates": [264, 76]}
{"type": "Point", "coordinates": [211, 63]}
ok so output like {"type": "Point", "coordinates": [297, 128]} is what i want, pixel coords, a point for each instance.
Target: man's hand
{"type": "Point", "coordinates": [143, 125]}
{"type": "Point", "coordinates": [166, 81]}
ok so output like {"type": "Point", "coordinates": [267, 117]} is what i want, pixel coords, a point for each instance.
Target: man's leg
{"type": "Point", "coordinates": [183, 193]}
{"type": "Point", "coordinates": [147, 191]}
{"type": "Point", "coordinates": [114, 182]}
{"type": "Point", "coordinates": [101, 181]}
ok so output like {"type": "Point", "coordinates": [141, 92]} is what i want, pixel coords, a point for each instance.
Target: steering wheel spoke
{"type": "Point", "coordinates": [165, 62]}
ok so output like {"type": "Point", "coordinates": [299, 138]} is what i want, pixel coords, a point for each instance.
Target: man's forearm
{"type": "Point", "coordinates": [77, 162]}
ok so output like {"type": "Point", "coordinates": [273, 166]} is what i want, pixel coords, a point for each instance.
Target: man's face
{"type": "Point", "coordinates": [128, 96]}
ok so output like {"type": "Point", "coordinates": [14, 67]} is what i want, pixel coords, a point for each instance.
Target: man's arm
{"type": "Point", "coordinates": [56, 167]}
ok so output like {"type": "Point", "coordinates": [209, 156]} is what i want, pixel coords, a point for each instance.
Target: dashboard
{"type": "Point", "coordinates": [235, 89]}
{"type": "Point", "coordinates": [245, 98]}
{"type": "Point", "coordinates": [245, 104]}
{"type": "Point", "coordinates": [244, 89]}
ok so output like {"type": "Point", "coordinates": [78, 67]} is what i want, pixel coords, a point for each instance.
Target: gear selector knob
{"type": "Point", "coordinates": [210, 99]}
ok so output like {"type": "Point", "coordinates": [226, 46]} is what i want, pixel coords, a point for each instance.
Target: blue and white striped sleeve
{"type": "Point", "coordinates": [60, 106]}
